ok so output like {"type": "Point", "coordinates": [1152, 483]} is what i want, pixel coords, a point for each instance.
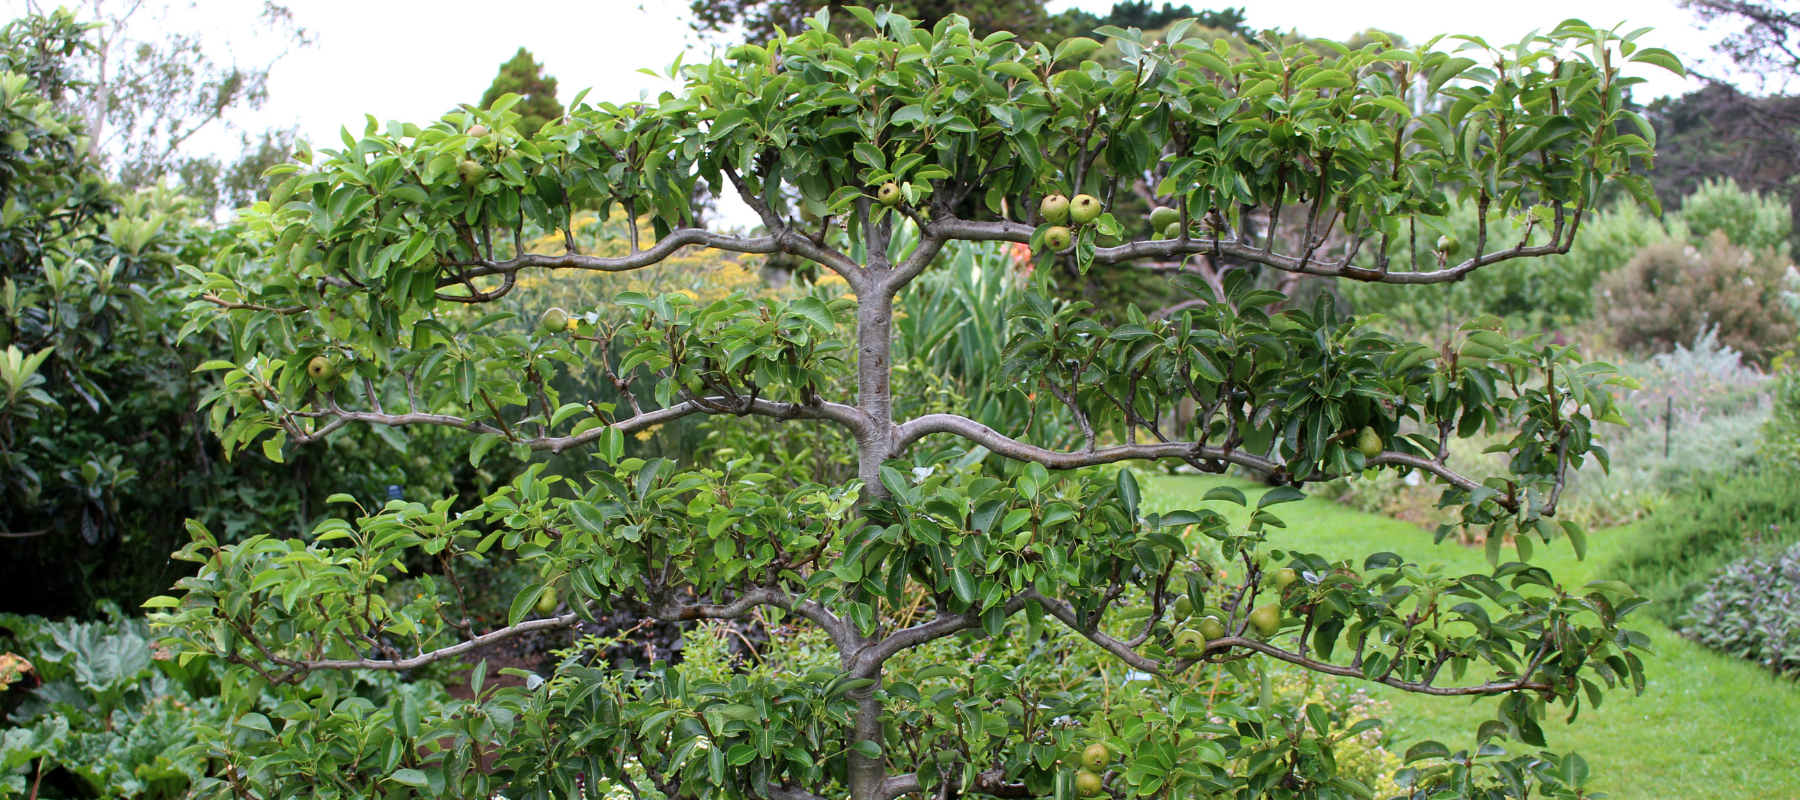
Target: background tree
{"type": "Point", "coordinates": [1748, 134]}
{"type": "Point", "coordinates": [102, 454]}
{"type": "Point", "coordinates": [760, 19]}
{"type": "Point", "coordinates": [364, 292]}
{"type": "Point", "coordinates": [1143, 15]}
{"type": "Point", "coordinates": [524, 77]}
{"type": "Point", "coordinates": [143, 99]}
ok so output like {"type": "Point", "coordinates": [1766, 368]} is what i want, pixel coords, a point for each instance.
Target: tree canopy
{"type": "Point", "coordinates": [524, 77]}
{"type": "Point", "coordinates": [362, 294]}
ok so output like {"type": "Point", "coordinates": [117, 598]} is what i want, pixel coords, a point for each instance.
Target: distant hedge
{"type": "Point", "coordinates": [1672, 554]}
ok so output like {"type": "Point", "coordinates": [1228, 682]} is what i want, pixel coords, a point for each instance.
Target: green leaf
{"type": "Point", "coordinates": [1577, 538]}
{"type": "Point", "coordinates": [522, 603]}
{"type": "Point", "coordinates": [1426, 749]}
{"type": "Point", "coordinates": [1075, 47]}
{"type": "Point", "coordinates": [1661, 58]}
{"type": "Point", "coordinates": [409, 777]}
{"type": "Point", "coordinates": [587, 516]}
{"type": "Point", "coordinates": [962, 584]}
{"type": "Point", "coordinates": [1228, 494]}
{"type": "Point", "coordinates": [1279, 494]}
{"type": "Point", "coordinates": [1128, 492]}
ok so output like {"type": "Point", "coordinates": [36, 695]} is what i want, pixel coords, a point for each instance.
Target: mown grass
{"type": "Point", "coordinates": [1707, 726]}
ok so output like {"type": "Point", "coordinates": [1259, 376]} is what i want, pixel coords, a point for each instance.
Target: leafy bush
{"type": "Point", "coordinates": [101, 454]}
{"type": "Point", "coordinates": [1672, 553]}
{"type": "Point", "coordinates": [1752, 611]}
{"type": "Point", "coordinates": [1671, 292]}
{"type": "Point", "coordinates": [1781, 434]}
{"type": "Point", "coordinates": [1557, 291]}
{"type": "Point", "coordinates": [107, 720]}
{"type": "Point", "coordinates": [1750, 220]}
{"type": "Point", "coordinates": [114, 716]}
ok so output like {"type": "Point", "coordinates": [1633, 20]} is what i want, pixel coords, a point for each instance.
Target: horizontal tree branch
{"type": "Point", "coordinates": [227, 304]}
{"type": "Point", "coordinates": [655, 254]}
{"type": "Point", "coordinates": [870, 659]}
{"type": "Point", "coordinates": [990, 782]}
{"type": "Point", "coordinates": [1166, 249]}
{"type": "Point", "coordinates": [673, 612]}
{"type": "Point", "coordinates": [1065, 614]}
{"type": "Point", "coordinates": [848, 416]}
{"type": "Point", "coordinates": [912, 430]}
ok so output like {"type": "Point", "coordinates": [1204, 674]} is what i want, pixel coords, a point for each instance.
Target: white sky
{"type": "Point", "coordinates": [412, 61]}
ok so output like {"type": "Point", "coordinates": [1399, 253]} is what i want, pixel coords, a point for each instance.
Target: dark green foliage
{"type": "Point", "coordinates": [1143, 15]}
{"type": "Point", "coordinates": [760, 19]}
{"type": "Point", "coordinates": [104, 718]}
{"type": "Point", "coordinates": [1027, 18]}
{"type": "Point", "coordinates": [525, 77]}
{"type": "Point", "coordinates": [102, 454]}
{"type": "Point", "coordinates": [1752, 611]}
{"type": "Point", "coordinates": [1671, 555]}
{"type": "Point", "coordinates": [1781, 434]}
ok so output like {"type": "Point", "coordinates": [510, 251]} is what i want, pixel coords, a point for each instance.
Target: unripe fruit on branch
{"type": "Point", "coordinates": [1173, 231]}
{"type": "Point", "coordinates": [547, 602]}
{"type": "Point", "coordinates": [1212, 628]}
{"type": "Point", "coordinates": [1096, 756]}
{"type": "Point", "coordinates": [478, 131]}
{"type": "Point", "coordinates": [554, 320]}
{"type": "Point", "coordinates": [1369, 442]}
{"type": "Point", "coordinates": [1057, 238]}
{"type": "Point", "coordinates": [888, 194]}
{"type": "Point", "coordinates": [1448, 245]}
{"type": "Point", "coordinates": [470, 172]}
{"type": "Point", "coordinates": [1084, 208]}
{"type": "Point", "coordinates": [321, 369]}
{"type": "Point", "coordinates": [1161, 217]}
{"type": "Point", "coordinates": [1087, 783]}
{"type": "Point", "coordinates": [1189, 639]}
{"type": "Point", "coordinates": [1284, 577]}
{"type": "Point", "coordinates": [1055, 209]}
{"type": "Point", "coordinates": [1183, 608]}
{"type": "Point", "coordinates": [1266, 620]}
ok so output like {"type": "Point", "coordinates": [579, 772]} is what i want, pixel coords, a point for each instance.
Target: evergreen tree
{"type": "Point", "coordinates": [525, 77]}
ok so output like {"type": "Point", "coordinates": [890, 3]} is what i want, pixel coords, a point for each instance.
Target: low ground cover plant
{"type": "Point", "coordinates": [1751, 610]}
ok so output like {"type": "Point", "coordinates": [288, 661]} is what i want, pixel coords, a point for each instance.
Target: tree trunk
{"type": "Point", "coordinates": [874, 369]}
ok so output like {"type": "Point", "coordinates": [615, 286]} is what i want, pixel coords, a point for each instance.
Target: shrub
{"type": "Point", "coordinates": [107, 719]}
{"type": "Point", "coordinates": [1669, 557]}
{"type": "Point", "coordinates": [1781, 434]}
{"type": "Point", "coordinates": [1671, 292]}
{"type": "Point", "coordinates": [1750, 220]}
{"type": "Point", "coordinates": [1752, 611]}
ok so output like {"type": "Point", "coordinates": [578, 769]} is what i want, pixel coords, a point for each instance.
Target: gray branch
{"type": "Point", "coordinates": [1167, 249]}
{"type": "Point", "coordinates": [848, 416]}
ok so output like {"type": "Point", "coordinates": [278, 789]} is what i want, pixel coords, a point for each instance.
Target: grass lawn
{"type": "Point", "coordinates": [1707, 726]}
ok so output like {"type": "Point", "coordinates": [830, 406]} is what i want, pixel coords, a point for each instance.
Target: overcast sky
{"type": "Point", "coordinates": [413, 61]}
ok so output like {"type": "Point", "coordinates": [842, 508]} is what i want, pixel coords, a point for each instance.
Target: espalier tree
{"type": "Point", "coordinates": [939, 588]}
